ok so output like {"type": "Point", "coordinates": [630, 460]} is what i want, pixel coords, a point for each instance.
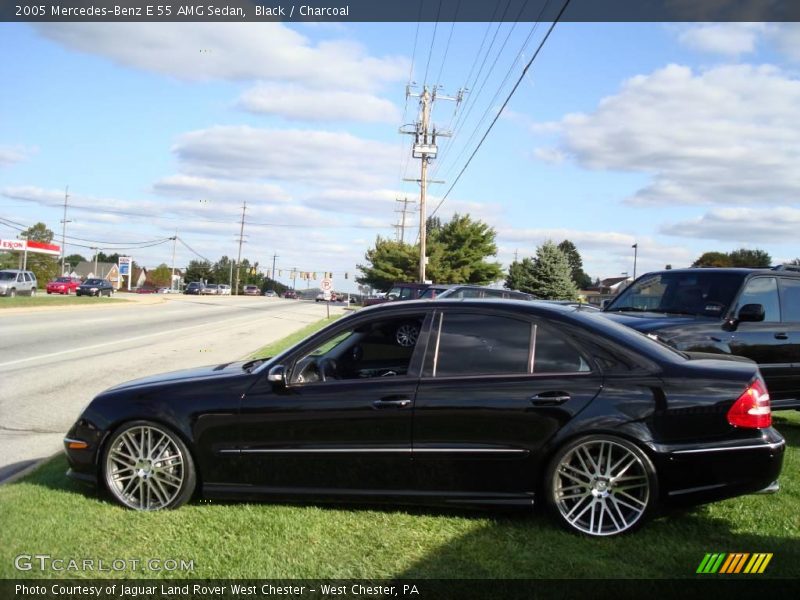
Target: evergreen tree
{"type": "Point", "coordinates": [520, 275]}
{"type": "Point", "coordinates": [579, 276]}
{"type": "Point", "coordinates": [551, 276]}
{"type": "Point", "coordinates": [387, 262]}
{"type": "Point", "coordinates": [745, 257]}
{"type": "Point", "coordinates": [458, 250]}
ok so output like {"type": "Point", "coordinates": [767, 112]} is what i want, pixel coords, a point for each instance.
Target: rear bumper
{"type": "Point", "coordinates": [700, 473]}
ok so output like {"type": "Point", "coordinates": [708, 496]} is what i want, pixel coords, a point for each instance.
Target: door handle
{"type": "Point", "coordinates": [550, 398]}
{"type": "Point", "coordinates": [392, 402]}
{"type": "Point", "coordinates": [781, 336]}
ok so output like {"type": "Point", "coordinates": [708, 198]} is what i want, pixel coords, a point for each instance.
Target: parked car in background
{"type": "Point", "coordinates": [473, 291]}
{"type": "Point", "coordinates": [270, 294]}
{"type": "Point", "coordinates": [754, 313]}
{"type": "Point", "coordinates": [500, 403]}
{"type": "Point", "coordinates": [223, 289]}
{"type": "Point", "coordinates": [16, 282]}
{"type": "Point", "coordinates": [211, 289]}
{"type": "Point", "coordinates": [290, 294]}
{"type": "Point", "coordinates": [332, 297]}
{"type": "Point", "coordinates": [95, 287]}
{"type": "Point", "coordinates": [399, 291]}
{"type": "Point", "coordinates": [195, 287]}
{"type": "Point", "coordinates": [63, 285]}
{"type": "Point", "coordinates": [164, 290]}
{"type": "Point", "coordinates": [145, 290]}
{"type": "Point", "coordinates": [251, 290]}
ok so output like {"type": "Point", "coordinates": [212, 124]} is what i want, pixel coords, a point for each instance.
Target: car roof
{"type": "Point", "coordinates": [780, 269]}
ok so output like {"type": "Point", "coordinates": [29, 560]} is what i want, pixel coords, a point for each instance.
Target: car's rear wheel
{"type": "Point", "coordinates": [601, 485]}
{"type": "Point", "coordinates": [12, 292]}
{"type": "Point", "coordinates": [148, 467]}
{"type": "Point", "coordinates": [406, 334]}
{"type": "Point", "coordinates": [33, 291]}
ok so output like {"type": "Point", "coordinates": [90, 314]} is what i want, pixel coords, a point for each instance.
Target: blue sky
{"type": "Point", "coordinates": [681, 138]}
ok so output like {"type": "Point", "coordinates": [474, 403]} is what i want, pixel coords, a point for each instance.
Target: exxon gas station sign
{"type": "Point", "coordinates": [30, 246]}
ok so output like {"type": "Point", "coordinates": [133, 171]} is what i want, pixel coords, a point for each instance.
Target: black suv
{"type": "Point", "coordinates": [753, 313]}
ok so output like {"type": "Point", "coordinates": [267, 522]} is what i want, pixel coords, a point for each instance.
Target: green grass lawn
{"type": "Point", "coordinates": [54, 300]}
{"type": "Point", "coordinates": [45, 513]}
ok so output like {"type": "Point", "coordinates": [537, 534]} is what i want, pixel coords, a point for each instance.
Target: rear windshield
{"type": "Point", "coordinates": [63, 279]}
{"type": "Point", "coordinates": [94, 281]}
{"type": "Point", "coordinates": [6, 276]}
{"type": "Point", "coordinates": [705, 293]}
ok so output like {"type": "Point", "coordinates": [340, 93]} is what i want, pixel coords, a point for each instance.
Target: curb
{"type": "Point", "coordinates": [25, 471]}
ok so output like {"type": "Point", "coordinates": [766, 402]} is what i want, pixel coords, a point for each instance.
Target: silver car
{"type": "Point", "coordinates": [15, 281]}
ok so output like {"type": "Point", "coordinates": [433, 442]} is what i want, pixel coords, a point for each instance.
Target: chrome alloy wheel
{"type": "Point", "coordinates": [601, 487]}
{"type": "Point", "coordinates": [145, 468]}
{"type": "Point", "coordinates": [406, 335]}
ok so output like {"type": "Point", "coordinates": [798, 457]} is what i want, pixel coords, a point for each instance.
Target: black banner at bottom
{"type": "Point", "coordinates": [462, 589]}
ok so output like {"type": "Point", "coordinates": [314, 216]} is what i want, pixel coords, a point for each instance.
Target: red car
{"type": "Point", "coordinates": [63, 285]}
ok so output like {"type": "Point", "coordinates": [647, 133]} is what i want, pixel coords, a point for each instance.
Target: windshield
{"type": "Point", "coordinates": [700, 292]}
{"type": "Point", "coordinates": [6, 276]}
{"type": "Point", "coordinates": [94, 281]}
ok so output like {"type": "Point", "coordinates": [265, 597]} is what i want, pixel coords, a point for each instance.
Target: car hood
{"type": "Point", "coordinates": [194, 374]}
{"type": "Point", "coordinates": [648, 322]}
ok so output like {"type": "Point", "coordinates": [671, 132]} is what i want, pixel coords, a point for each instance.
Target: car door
{"type": "Point", "coordinates": [765, 341]}
{"type": "Point", "coordinates": [790, 329]}
{"type": "Point", "coordinates": [495, 388]}
{"type": "Point", "coordinates": [346, 433]}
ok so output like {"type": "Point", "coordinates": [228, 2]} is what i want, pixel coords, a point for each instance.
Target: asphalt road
{"type": "Point", "coordinates": [54, 360]}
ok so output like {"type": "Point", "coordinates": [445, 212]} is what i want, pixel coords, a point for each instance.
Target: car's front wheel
{"type": "Point", "coordinates": [148, 467]}
{"type": "Point", "coordinates": [601, 485]}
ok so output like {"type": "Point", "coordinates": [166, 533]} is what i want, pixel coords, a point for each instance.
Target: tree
{"type": "Point", "coordinates": [579, 276]}
{"type": "Point", "coordinates": [197, 270]}
{"type": "Point", "coordinates": [713, 259]}
{"type": "Point", "coordinates": [744, 257]}
{"type": "Point", "coordinates": [458, 250]}
{"type": "Point", "coordinates": [551, 275]}
{"type": "Point", "coordinates": [520, 275]}
{"type": "Point", "coordinates": [44, 266]}
{"type": "Point", "coordinates": [73, 259]}
{"type": "Point", "coordinates": [161, 276]}
{"type": "Point", "coordinates": [389, 261]}
{"type": "Point", "coordinates": [107, 258]}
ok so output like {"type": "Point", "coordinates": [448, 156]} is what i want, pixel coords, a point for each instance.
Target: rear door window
{"type": "Point", "coordinates": [790, 300]}
{"type": "Point", "coordinates": [554, 354]}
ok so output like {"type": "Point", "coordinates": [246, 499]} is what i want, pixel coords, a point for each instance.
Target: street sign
{"type": "Point", "coordinates": [326, 286]}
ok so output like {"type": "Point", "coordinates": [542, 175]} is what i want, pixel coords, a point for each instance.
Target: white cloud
{"type": "Point", "coordinates": [203, 190]}
{"type": "Point", "coordinates": [729, 135]}
{"type": "Point", "coordinates": [314, 158]}
{"type": "Point", "coordinates": [230, 51]}
{"type": "Point", "coordinates": [553, 156]}
{"type": "Point", "coordinates": [301, 103]}
{"type": "Point", "coordinates": [10, 155]}
{"type": "Point", "coordinates": [742, 225]}
{"type": "Point", "coordinates": [730, 39]}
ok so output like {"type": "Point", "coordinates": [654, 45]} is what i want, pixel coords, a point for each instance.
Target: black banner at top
{"type": "Point", "coordinates": [399, 10]}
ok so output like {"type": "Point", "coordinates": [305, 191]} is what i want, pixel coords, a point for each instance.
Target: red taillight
{"type": "Point", "coordinates": [751, 409]}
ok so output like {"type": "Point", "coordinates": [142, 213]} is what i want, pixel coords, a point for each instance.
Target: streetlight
{"type": "Point", "coordinates": [635, 255]}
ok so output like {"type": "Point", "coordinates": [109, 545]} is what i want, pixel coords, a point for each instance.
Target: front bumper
{"type": "Point", "coordinates": [699, 473]}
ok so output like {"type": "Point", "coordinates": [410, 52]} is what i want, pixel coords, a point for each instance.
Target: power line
{"type": "Point", "coordinates": [433, 39]}
{"type": "Point", "coordinates": [502, 108]}
{"type": "Point", "coordinates": [447, 46]}
{"type": "Point", "coordinates": [192, 250]}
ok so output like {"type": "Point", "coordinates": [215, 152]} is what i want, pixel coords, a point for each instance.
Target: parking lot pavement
{"type": "Point", "coordinates": [53, 362]}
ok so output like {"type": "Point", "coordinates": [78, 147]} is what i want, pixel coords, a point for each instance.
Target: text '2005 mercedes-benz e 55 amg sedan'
{"type": "Point", "coordinates": [445, 402]}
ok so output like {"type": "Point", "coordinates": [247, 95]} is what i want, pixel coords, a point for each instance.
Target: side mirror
{"type": "Point", "coordinates": [751, 313]}
{"type": "Point", "coordinates": [277, 374]}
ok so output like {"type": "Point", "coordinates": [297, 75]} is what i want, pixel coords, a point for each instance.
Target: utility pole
{"type": "Point", "coordinates": [402, 225]}
{"type": "Point", "coordinates": [64, 233]}
{"type": "Point", "coordinates": [635, 256]}
{"type": "Point", "coordinates": [95, 259]}
{"type": "Point", "coordinates": [274, 279]}
{"type": "Point", "coordinates": [425, 149]}
{"type": "Point", "coordinates": [516, 255]}
{"type": "Point", "coordinates": [239, 258]}
{"type": "Point", "coordinates": [174, 242]}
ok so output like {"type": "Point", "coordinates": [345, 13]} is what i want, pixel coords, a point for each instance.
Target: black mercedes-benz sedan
{"type": "Point", "coordinates": [445, 402]}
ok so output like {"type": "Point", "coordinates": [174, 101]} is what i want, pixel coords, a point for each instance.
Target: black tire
{"type": "Point", "coordinates": [12, 293]}
{"type": "Point", "coordinates": [146, 466]}
{"type": "Point", "coordinates": [600, 485]}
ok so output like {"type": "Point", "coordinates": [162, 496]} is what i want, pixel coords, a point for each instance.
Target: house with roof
{"type": "Point", "coordinates": [88, 270]}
